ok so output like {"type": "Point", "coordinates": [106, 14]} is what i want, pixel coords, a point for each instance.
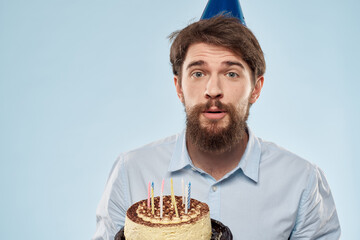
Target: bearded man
{"type": "Point", "coordinates": [256, 188]}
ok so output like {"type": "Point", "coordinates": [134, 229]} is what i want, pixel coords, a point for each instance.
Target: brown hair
{"type": "Point", "coordinates": [221, 31]}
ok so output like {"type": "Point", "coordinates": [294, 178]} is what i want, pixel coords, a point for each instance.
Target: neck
{"type": "Point", "coordinates": [217, 164]}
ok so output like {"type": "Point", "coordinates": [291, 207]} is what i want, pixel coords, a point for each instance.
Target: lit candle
{"type": "Point", "coordinates": [186, 198]}
{"type": "Point", "coordinates": [161, 199]}
{"type": "Point", "coordinates": [148, 200]}
{"type": "Point", "coordinates": [189, 195]}
{"type": "Point", "coordinates": [152, 199]}
{"type": "Point", "coordinates": [162, 186]}
{"type": "Point", "coordinates": [173, 198]}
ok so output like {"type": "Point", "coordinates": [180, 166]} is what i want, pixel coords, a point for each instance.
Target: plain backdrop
{"type": "Point", "coordinates": [82, 81]}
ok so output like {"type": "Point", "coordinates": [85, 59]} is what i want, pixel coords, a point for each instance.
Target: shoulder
{"type": "Point", "coordinates": [288, 171]}
{"type": "Point", "coordinates": [287, 165]}
{"type": "Point", "coordinates": [271, 152]}
{"type": "Point", "coordinates": [141, 160]}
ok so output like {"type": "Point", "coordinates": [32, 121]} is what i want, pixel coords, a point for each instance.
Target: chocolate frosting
{"type": "Point", "coordinates": [141, 214]}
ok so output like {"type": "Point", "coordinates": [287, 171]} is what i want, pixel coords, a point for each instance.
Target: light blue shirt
{"type": "Point", "coordinates": [271, 194]}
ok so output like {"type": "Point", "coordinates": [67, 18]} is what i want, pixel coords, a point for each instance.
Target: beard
{"type": "Point", "coordinates": [210, 137]}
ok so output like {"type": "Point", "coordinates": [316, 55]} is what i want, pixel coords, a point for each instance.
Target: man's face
{"type": "Point", "coordinates": [216, 90]}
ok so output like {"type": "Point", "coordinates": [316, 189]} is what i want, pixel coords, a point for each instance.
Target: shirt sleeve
{"type": "Point", "coordinates": [110, 214]}
{"type": "Point", "coordinates": [317, 217]}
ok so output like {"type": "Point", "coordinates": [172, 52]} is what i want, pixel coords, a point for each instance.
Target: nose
{"type": "Point", "coordinates": [213, 88]}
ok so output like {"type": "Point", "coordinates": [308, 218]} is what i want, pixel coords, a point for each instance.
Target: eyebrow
{"type": "Point", "coordinates": [201, 63]}
{"type": "Point", "coordinates": [195, 63]}
{"type": "Point", "coordinates": [231, 63]}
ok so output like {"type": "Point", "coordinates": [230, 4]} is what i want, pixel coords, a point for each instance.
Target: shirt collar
{"type": "Point", "coordinates": [249, 163]}
{"type": "Point", "coordinates": [250, 160]}
{"type": "Point", "coordinates": [180, 157]}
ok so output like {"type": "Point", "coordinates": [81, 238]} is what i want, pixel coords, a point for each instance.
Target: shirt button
{"type": "Point", "coordinates": [214, 188]}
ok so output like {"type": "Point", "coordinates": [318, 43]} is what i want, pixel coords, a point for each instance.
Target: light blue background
{"type": "Point", "coordinates": [82, 81]}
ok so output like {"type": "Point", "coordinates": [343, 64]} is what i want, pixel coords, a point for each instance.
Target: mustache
{"type": "Point", "coordinates": [217, 103]}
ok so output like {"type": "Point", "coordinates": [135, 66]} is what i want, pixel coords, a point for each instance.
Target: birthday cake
{"type": "Point", "coordinates": [173, 222]}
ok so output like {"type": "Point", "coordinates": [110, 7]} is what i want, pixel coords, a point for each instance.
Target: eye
{"type": "Point", "coordinates": [197, 74]}
{"type": "Point", "coordinates": [232, 74]}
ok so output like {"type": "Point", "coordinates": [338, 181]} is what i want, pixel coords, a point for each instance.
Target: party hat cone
{"type": "Point", "coordinates": [231, 7]}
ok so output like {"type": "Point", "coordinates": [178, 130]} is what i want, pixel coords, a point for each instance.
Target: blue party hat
{"type": "Point", "coordinates": [231, 7]}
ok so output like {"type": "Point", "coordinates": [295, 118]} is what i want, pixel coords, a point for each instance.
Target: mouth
{"type": "Point", "coordinates": [214, 113]}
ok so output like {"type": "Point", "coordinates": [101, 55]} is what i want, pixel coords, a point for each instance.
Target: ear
{"type": "Point", "coordinates": [179, 90]}
{"type": "Point", "coordinates": [257, 89]}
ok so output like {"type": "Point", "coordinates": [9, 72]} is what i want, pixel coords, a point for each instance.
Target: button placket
{"type": "Point", "coordinates": [214, 201]}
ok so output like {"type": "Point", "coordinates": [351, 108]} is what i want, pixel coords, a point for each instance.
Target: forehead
{"type": "Point", "coordinates": [211, 54]}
